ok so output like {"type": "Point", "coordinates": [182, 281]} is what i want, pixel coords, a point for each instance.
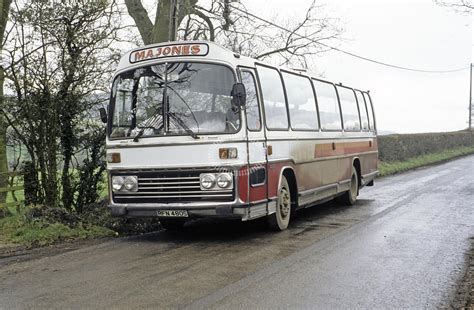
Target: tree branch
{"type": "Point", "coordinates": [208, 22]}
{"type": "Point", "coordinates": [140, 16]}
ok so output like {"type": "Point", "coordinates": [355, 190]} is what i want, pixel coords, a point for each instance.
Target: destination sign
{"type": "Point", "coordinates": [174, 50]}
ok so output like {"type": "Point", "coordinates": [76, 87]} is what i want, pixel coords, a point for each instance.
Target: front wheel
{"type": "Point", "coordinates": [281, 218]}
{"type": "Point", "coordinates": [350, 197]}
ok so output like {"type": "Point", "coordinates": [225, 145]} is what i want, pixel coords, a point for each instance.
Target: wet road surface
{"type": "Point", "coordinates": [402, 245]}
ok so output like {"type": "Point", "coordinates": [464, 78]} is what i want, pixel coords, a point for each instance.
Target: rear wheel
{"type": "Point", "coordinates": [281, 218]}
{"type": "Point", "coordinates": [350, 197]}
{"type": "Point", "coordinates": [172, 224]}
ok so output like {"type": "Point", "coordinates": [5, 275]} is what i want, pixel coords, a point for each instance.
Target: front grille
{"type": "Point", "coordinates": [169, 186]}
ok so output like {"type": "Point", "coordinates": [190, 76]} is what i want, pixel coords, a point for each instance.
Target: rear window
{"type": "Point", "coordinates": [370, 111]}
{"type": "Point", "coordinates": [364, 119]}
{"type": "Point", "coordinates": [328, 105]}
{"type": "Point", "coordinates": [276, 116]}
{"type": "Point", "coordinates": [301, 103]}
{"type": "Point", "coordinates": [350, 112]}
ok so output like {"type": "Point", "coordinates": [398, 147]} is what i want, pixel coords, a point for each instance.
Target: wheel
{"type": "Point", "coordinates": [350, 197]}
{"type": "Point", "coordinates": [172, 224]}
{"type": "Point", "coordinates": [281, 218]}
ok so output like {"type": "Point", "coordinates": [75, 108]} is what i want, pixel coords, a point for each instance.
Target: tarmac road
{"type": "Point", "coordinates": [401, 246]}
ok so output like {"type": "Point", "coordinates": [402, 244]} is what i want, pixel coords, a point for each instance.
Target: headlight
{"type": "Point", "coordinates": [117, 183]}
{"type": "Point", "coordinates": [224, 180]}
{"type": "Point", "coordinates": [207, 181]}
{"type": "Point", "coordinates": [125, 183]}
{"type": "Point", "coordinates": [216, 181]}
{"type": "Point", "coordinates": [131, 183]}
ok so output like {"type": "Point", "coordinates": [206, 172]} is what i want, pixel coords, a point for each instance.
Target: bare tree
{"type": "Point", "coordinates": [60, 59]}
{"type": "Point", "coordinates": [233, 26]}
{"type": "Point", "coordinates": [464, 6]}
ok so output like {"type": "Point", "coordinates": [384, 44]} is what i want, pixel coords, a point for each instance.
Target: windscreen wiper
{"type": "Point", "coordinates": [147, 125]}
{"type": "Point", "coordinates": [139, 134]}
{"type": "Point", "coordinates": [183, 125]}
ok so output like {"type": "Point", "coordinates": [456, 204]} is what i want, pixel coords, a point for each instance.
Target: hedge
{"type": "Point", "coordinates": [403, 146]}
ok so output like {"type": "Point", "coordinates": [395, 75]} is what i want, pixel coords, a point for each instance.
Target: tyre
{"type": "Point", "coordinates": [350, 197]}
{"type": "Point", "coordinates": [279, 220]}
{"type": "Point", "coordinates": [172, 224]}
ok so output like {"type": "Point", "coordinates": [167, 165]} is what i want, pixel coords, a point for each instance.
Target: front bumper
{"type": "Point", "coordinates": [237, 211]}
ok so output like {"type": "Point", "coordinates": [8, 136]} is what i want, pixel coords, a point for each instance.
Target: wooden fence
{"type": "Point", "coordinates": [12, 188]}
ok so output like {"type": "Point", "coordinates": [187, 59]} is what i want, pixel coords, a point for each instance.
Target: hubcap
{"type": "Point", "coordinates": [285, 202]}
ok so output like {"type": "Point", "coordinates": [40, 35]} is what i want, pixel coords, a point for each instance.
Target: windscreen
{"type": "Point", "coordinates": [173, 98]}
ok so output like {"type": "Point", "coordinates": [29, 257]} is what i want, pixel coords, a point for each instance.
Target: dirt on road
{"type": "Point", "coordinates": [464, 298]}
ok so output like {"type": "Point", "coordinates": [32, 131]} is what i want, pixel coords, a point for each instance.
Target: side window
{"type": "Point", "coordinates": [253, 112]}
{"type": "Point", "coordinates": [350, 112]}
{"type": "Point", "coordinates": [123, 105]}
{"type": "Point", "coordinates": [328, 105]}
{"type": "Point", "coordinates": [276, 116]}
{"type": "Point", "coordinates": [301, 103]}
{"type": "Point", "coordinates": [370, 111]}
{"type": "Point", "coordinates": [123, 110]}
{"type": "Point", "coordinates": [363, 111]}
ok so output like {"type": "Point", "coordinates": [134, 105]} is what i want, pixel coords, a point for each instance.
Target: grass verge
{"type": "Point", "coordinates": [35, 226]}
{"type": "Point", "coordinates": [387, 168]}
{"type": "Point", "coordinates": [30, 231]}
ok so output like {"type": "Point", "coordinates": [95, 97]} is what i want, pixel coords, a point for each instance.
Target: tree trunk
{"type": "Point", "coordinates": [3, 143]}
{"type": "Point", "coordinates": [51, 153]}
{"type": "Point", "coordinates": [67, 136]}
{"type": "Point", "coordinates": [4, 8]}
{"type": "Point", "coordinates": [160, 31]}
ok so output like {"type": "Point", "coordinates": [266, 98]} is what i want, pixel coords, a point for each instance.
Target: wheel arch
{"type": "Point", "coordinates": [289, 173]}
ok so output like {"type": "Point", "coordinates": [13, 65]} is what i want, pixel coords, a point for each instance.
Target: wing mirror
{"type": "Point", "coordinates": [103, 115]}
{"type": "Point", "coordinates": [239, 96]}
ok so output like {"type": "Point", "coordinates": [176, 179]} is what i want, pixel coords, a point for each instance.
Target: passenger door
{"type": "Point", "coordinates": [256, 141]}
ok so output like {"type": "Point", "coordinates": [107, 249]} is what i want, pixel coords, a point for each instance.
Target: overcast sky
{"type": "Point", "coordinates": [410, 33]}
